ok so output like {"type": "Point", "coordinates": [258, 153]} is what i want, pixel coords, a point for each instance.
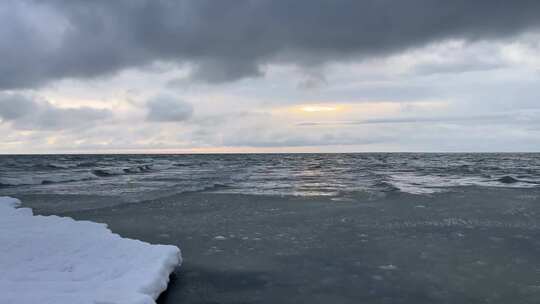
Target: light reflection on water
{"type": "Point", "coordinates": [137, 177]}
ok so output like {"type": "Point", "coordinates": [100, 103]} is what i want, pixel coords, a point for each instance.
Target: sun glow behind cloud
{"type": "Point", "coordinates": [357, 110]}
{"type": "Point", "coordinates": [317, 108]}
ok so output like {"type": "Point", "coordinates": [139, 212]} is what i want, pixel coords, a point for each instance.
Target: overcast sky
{"type": "Point", "coordinates": [269, 76]}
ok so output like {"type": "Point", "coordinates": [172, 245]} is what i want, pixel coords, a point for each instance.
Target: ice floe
{"type": "Point", "coordinates": [51, 259]}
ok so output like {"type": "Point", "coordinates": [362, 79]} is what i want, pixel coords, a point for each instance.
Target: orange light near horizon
{"type": "Point", "coordinates": [316, 108]}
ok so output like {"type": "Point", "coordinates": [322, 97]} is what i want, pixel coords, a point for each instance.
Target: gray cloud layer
{"type": "Point", "coordinates": [43, 40]}
{"type": "Point", "coordinates": [167, 109]}
{"type": "Point", "coordinates": [28, 114]}
{"type": "Point", "coordinates": [412, 120]}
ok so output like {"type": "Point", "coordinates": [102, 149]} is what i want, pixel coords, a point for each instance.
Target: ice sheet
{"type": "Point", "coordinates": [51, 259]}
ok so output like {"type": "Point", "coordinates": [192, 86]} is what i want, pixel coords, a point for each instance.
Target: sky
{"type": "Point", "coordinates": [210, 76]}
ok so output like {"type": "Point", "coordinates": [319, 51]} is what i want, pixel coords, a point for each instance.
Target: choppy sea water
{"type": "Point", "coordinates": [142, 177]}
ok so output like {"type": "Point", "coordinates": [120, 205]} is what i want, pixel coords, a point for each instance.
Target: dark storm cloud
{"type": "Point", "coordinates": [27, 114]}
{"type": "Point", "coordinates": [168, 109]}
{"type": "Point", "coordinates": [42, 40]}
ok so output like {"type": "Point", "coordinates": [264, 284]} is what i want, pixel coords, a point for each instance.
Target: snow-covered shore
{"type": "Point", "coordinates": [51, 259]}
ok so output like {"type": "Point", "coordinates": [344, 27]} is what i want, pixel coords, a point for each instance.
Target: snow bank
{"type": "Point", "coordinates": [51, 259]}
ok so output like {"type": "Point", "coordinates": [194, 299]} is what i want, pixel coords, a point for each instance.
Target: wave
{"type": "Point", "coordinates": [30, 180]}
{"type": "Point", "coordinates": [386, 186]}
{"type": "Point", "coordinates": [64, 176]}
{"type": "Point", "coordinates": [520, 180]}
{"type": "Point", "coordinates": [138, 169]}
{"type": "Point", "coordinates": [87, 164]}
{"type": "Point", "coordinates": [428, 184]}
{"type": "Point", "coordinates": [54, 166]}
{"type": "Point", "coordinates": [417, 184]}
{"type": "Point", "coordinates": [106, 172]}
{"type": "Point", "coordinates": [508, 180]}
{"type": "Point", "coordinates": [61, 166]}
{"type": "Point", "coordinates": [214, 187]}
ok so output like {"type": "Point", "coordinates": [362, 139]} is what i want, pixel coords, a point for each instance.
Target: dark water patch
{"type": "Point", "coordinates": [215, 187]}
{"type": "Point", "coordinates": [195, 284]}
{"type": "Point", "coordinates": [386, 186]}
{"type": "Point", "coordinates": [138, 169]}
{"type": "Point", "coordinates": [508, 180]}
{"type": "Point", "coordinates": [104, 172]}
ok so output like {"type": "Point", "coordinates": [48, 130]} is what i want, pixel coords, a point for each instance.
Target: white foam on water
{"type": "Point", "coordinates": [51, 259]}
{"type": "Point", "coordinates": [426, 184]}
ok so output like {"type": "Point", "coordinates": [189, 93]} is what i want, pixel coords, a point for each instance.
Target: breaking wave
{"type": "Point", "coordinates": [28, 180]}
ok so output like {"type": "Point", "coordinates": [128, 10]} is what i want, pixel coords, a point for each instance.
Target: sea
{"type": "Point", "coordinates": [134, 178]}
{"type": "Point", "coordinates": [311, 228]}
